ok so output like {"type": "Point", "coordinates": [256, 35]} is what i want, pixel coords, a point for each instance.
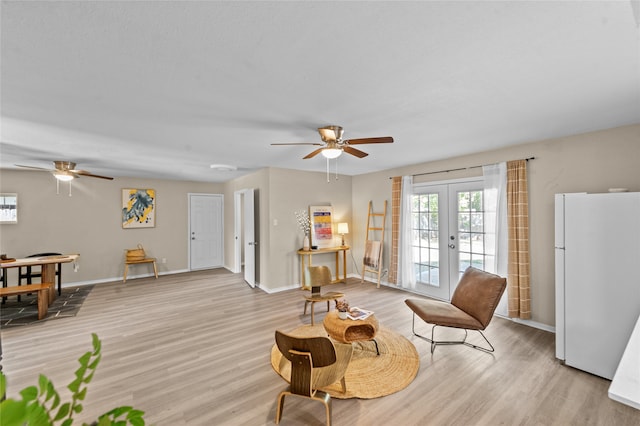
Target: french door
{"type": "Point", "coordinates": [448, 235]}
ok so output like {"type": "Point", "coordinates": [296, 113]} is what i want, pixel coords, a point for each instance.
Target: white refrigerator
{"type": "Point", "coordinates": [597, 253]}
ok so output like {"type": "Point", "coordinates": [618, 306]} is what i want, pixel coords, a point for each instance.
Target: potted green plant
{"type": "Point", "coordinates": [41, 405]}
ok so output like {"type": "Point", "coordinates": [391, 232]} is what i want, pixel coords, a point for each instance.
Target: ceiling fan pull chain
{"type": "Point", "coordinates": [57, 187]}
{"type": "Point", "coordinates": [69, 188]}
{"type": "Point", "coordinates": [327, 170]}
{"type": "Point", "coordinates": [336, 169]}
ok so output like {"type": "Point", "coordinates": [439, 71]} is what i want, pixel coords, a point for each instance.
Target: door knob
{"type": "Point", "coordinates": [452, 246]}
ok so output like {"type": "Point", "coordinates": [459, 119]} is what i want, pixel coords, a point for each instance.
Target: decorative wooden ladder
{"type": "Point", "coordinates": [372, 260]}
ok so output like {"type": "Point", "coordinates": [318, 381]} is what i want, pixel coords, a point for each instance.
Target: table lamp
{"type": "Point", "coordinates": [343, 228]}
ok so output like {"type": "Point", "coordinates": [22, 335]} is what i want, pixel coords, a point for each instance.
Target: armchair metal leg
{"type": "Point", "coordinates": [435, 343]}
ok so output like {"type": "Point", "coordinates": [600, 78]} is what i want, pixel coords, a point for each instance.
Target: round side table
{"type": "Point", "coordinates": [349, 331]}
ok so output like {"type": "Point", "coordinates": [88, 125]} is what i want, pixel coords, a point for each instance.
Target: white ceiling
{"type": "Point", "coordinates": [163, 89]}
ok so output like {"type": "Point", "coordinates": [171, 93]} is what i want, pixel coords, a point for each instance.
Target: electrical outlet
{"type": "Point", "coordinates": [164, 260]}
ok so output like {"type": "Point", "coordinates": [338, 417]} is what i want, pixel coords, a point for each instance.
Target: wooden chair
{"type": "Point", "coordinates": [316, 277]}
{"type": "Point", "coordinates": [472, 306]}
{"type": "Point", "coordinates": [315, 363]}
{"type": "Point", "coordinates": [29, 274]}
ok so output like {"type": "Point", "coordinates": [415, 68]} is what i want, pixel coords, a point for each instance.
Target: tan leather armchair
{"type": "Point", "coordinates": [472, 306]}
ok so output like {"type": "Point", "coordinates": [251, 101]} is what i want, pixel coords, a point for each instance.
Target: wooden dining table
{"type": "Point", "coordinates": [48, 264]}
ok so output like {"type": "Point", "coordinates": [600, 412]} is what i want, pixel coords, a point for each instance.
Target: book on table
{"type": "Point", "coordinates": [356, 313]}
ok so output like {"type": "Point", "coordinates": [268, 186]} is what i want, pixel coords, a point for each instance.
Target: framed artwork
{"type": "Point", "coordinates": [138, 208]}
{"type": "Point", "coordinates": [8, 208]}
{"type": "Point", "coordinates": [321, 218]}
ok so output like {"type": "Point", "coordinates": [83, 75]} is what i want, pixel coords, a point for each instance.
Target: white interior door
{"type": "Point", "coordinates": [249, 238]}
{"type": "Point", "coordinates": [205, 231]}
{"type": "Point", "coordinates": [245, 244]}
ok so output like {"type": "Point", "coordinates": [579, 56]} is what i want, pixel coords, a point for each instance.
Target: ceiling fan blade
{"type": "Point", "coordinates": [35, 168]}
{"type": "Point", "coordinates": [86, 173]}
{"type": "Point", "coordinates": [313, 154]}
{"type": "Point", "coordinates": [299, 143]}
{"type": "Point", "coordinates": [384, 139]}
{"type": "Point", "coordinates": [353, 151]}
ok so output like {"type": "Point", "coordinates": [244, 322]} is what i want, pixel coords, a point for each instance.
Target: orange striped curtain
{"type": "Point", "coordinates": [396, 195]}
{"type": "Point", "coordinates": [518, 275]}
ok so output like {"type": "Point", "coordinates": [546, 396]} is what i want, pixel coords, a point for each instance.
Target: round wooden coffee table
{"type": "Point", "coordinates": [349, 331]}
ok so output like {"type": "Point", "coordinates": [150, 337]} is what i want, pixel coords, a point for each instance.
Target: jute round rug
{"type": "Point", "coordinates": [368, 375]}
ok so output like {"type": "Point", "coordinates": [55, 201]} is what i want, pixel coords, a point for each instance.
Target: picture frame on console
{"type": "Point", "coordinates": [321, 218]}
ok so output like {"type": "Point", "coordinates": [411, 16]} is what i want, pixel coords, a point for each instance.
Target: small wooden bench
{"type": "Point", "coordinates": [138, 262]}
{"type": "Point", "coordinates": [41, 289]}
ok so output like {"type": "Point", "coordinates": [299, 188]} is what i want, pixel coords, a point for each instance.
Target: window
{"type": "Point", "coordinates": [8, 208]}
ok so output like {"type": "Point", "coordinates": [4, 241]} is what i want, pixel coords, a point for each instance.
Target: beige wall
{"type": "Point", "coordinates": [590, 162]}
{"type": "Point", "coordinates": [89, 222]}
{"type": "Point", "coordinates": [281, 192]}
{"type": "Point", "coordinates": [292, 191]}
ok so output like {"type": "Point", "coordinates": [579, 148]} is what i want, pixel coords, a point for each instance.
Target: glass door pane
{"type": "Point", "coordinates": [467, 238]}
{"type": "Point", "coordinates": [448, 235]}
{"type": "Point", "coordinates": [429, 231]}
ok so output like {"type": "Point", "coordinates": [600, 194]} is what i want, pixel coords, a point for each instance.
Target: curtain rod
{"type": "Point", "coordinates": [455, 170]}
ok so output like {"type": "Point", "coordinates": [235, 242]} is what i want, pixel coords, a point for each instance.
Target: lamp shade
{"type": "Point", "coordinates": [63, 175]}
{"type": "Point", "coordinates": [331, 152]}
{"type": "Point", "coordinates": [343, 228]}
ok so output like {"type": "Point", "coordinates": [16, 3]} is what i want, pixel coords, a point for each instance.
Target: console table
{"type": "Point", "coordinates": [337, 250]}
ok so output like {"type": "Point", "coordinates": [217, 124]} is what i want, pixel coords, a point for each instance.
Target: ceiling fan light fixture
{"type": "Point", "coordinates": [223, 167]}
{"type": "Point", "coordinates": [64, 176]}
{"type": "Point", "coordinates": [331, 153]}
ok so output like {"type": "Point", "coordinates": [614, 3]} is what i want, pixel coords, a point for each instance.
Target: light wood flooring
{"type": "Point", "coordinates": [193, 349]}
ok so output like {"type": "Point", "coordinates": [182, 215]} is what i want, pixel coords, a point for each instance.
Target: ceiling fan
{"type": "Point", "coordinates": [334, 145]}
{"type": "Point", "coordinates": [66, 171]}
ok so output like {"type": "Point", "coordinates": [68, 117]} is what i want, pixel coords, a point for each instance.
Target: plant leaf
{"type": "Point", "coordinates": [56, 401]}
{"type": "Point", "coordinates": [37, 415]}
{"type": "Point", "coordinates": [82, 394]}
{"type": "Point", "coordinates": [63, 411]}
{"type": "Point", "coordinates": [74, 386]}
{"type": "Point", "coordinates": [29, 393]}
{"type": "Point", "coordinates": [84, 359]}
{"type": "Point", "coordinates": [97, 344]}
{"type": "Point", "coordinates": [95, 362]}
{"type": "Point", "coordinates": [13, 412]}
{"type": "Point", "coordinates": [3, 383]}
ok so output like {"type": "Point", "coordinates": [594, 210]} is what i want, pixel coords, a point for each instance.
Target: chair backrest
{"type": "Point", "coordinates": [305, 354]}
{"type": "Point", "coordinates": [322, 351]}
{"type": "Point", "coordinates": [316, 277]}
{"type": "Point", "coordinates": [31, 274]}
{"type": "Point", "coordinates": [45, 254]}
{"type": "Point", "coordinates": [478, 294]}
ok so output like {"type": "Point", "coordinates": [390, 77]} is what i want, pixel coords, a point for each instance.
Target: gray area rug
{"type": "Point", "coordinates": [25, 312]}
